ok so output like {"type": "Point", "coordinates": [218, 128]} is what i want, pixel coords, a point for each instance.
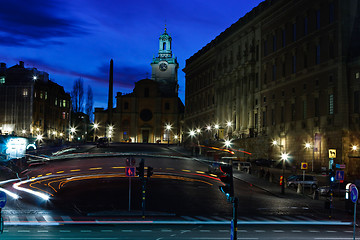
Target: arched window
{"type": "Point", "coordinates": [164, 45]}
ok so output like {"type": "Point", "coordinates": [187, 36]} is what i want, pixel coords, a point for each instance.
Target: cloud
{"type": "Point", "coordinates": [37, 22]}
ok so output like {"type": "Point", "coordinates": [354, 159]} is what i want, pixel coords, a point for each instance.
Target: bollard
{"type": "Point", "coordinates": [299, 189]}
{"type": "Point", "coordinates": [316, 195]}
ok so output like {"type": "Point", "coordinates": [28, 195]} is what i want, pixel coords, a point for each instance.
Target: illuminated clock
{"type": "Point", "coordinates": [163, 66]}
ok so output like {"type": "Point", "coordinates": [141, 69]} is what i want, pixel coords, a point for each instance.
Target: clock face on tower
{"type": "Point", "coordinates": [163, 66]}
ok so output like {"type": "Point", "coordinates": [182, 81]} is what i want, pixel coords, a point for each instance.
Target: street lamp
{"type": "Point", "coordinates": [216, 126]}
{"type": "Point", "coordinates": [308, 146]}
{"type": "Point", "coordinates": [95, 127]}
{"type": "Point", "coordinates": [168, 128]}
{"type": "Point", "coordinates": [192, 134]}
{"type": "Point", "coordinates": [72, 131]}
{"type": "Point", "coordinates": [284, 157]}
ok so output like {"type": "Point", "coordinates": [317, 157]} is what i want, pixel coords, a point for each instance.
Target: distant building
{"type": "Point", "coordinates": [142, 116]}
{"type": "Point", "coordinates": [287, 71]}
{"type": "Point", "coordinates": [31, 104]}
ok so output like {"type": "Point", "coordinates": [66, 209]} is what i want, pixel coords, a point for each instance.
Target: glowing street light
{"type": "Point", "coordinates": [208, 128]}
{"type": "Point", "coordinates": [227, 143]}
{"type": "Point", "coordinates": [229, 123]}
{"type": "Point", "coordinates": [284, 157]}
{"type": "Point", "coordinates": [23, 131]}
{"type": "Point", "coordinates": [168, 128]}
{"type": "Point", "coordinates": [95, 126]}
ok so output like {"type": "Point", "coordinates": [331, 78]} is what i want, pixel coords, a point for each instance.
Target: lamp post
{"type": "Point", "coordinates": [168, 128]}
{"type": "Point", "coordinates": [72, 131]}
{"type": "Point", "coordinates": [216, 126]}
{"type": "Point", "coordinates": [192, 134]}
{"type": "Point", "coordinates": [284, 157]}
{"type": "Point", "coordinates": [95, 126]}
{"type": "Point", "coordinates": [308, 146]}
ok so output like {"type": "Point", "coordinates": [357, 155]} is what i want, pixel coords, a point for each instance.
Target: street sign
{"type": "Point", "coordinates": [130, 171]}
{"type": "Point", "coordinates": [354, 194]}
{"type": "Point", "coordinates": [340, 175]}
{"type": "Point", "coordinates": [341, 166]}
{"type": "Point", "coordinates": [332, 153]}
{"type": "Point", "coordinates": [304, 165]}
{"type": "Point", "coordinates": [2, 199]}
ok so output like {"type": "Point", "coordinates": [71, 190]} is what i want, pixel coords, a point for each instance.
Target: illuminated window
{"type": "Point", "coordinates": [55, 101]}
{"type": "Point", "coordinates": [2, 80]}
{"type": "Point", "coordinates": [64, 103]}
{"type": "Point", "coordinates": [63, 115]}
{"type": "Point", "coordinates": [45, 95]}
{"type": "Point", "coordinates": [331, 104]}
{"type": "Point", "coordinates": [25, 92]}
{"type": "Point", "coordinates": [41, 95]}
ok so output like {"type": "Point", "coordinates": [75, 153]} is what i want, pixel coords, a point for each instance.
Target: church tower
{"type": "Point", "coordinates": [165, 66]}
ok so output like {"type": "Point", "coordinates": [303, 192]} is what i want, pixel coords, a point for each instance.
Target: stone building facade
{"type": "Point", "coordinates": [32, 104]}
{"type": "Point", "coordinates": [286, 71]}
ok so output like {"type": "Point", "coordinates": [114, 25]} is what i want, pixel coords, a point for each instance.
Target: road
{"type": "Point", "coordinates": [180, 232]}
{"type": "Point", "coordinates": [89, 198]}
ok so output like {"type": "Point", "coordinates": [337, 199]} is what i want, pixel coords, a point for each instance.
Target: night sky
{"type": "Point", "coordinates": [70, 39]}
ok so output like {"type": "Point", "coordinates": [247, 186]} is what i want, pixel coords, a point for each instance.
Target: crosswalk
{"type": "Point", "coordinates": [55, 219]}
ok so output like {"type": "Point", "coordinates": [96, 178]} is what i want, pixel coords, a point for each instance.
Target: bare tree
{"type": "Point", "coordinates": [89, 103]}
{"type": "Point", "coordinates": [77, 95]}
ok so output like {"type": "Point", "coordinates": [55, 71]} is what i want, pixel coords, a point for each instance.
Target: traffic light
{"type": "Point", "coordinates": [332, 175]}
{"type": "Point", "coordinates": [227, 178]}
{"type": "Point", "coordinates": [140, 169]}
{"type": "Point", "coordinates": [149, 171]}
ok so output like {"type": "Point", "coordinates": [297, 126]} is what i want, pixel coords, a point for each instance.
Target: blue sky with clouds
{"type": "Point", "coordinates": [77, 38]}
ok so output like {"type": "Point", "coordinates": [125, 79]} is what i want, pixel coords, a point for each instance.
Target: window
{"type": "Point", "coordinates": [25, 92]}
{"type": "Point", "coordinates": [356, 102]}
{"type": "Point", "coordinates": [283, 69]}
{"type": "Point", "coordinates": [257, 80]}
{"type": "Point", "coordinates": [331, 13]}
{"type": "Point", "coordinates": [264, 119]}
{"type": "Point", "coordinates": [272, 116]}
{"type": "Point", "coordinates": [146, 92]}
{"type": "Point", "coordinates": [56, 101]}
{"type": "Point", "coordinates": [316, 103]}
{"type": "Point", "coordinates": [305, 26]}
{"type": "Point", "coordinates": [164, 45]}
{"type": "Point", "coordinates": [317, 56]}
{"type": "Point", "coordinates": [331, 104]}
{"type": "Point", "coordinates": [45, 95]}
{"type": "Point", "coordinates": [274, 43]}
{"type": "Point", "coordinates": [282, 114]}
{"type": "Point", "coordinates": [294, 31]}
{"type": "Point", "coordinates": [294, 64]}
{"type": "Point", "coordinates": [331, 50]}
{"type": "Point", "coordinates": [264, 99]}
{"type": "Point", "coordinates": [357, 75]}
{"type": "Point", "coordinates": [274, 72]}
{"type": "Point", "coordinates": [256, 120]}
{"type": "Point", "coordinates": [293, 112]}
{"type": "Point", "coordinates": [63, 115]}
{"type": "Point", "coordinates": [64, 103]}
{"type": "Point", "coordinates": [41, 95]}
{"type": "Point", "coordinates": [317, 19]}
{"type": "Point", "coordinates": [283, 38]}
{"type": "Point", "coordinates": [265, 80]}
{"type": "Point", "coordinates": [2, 80]}
{"type": "Point", "coordinates": [304, 109]}
{"type": "Point", "coordinates": [265, 47]}
{"type": "Point", "coordinates": [305, 60]}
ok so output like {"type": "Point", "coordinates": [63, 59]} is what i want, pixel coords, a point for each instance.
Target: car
{"type": "Point", "coordinates": [339, 189]}
{"type": "Point", "coordinates": [310, 181]}
{"type": "Point", "coordinates": [102, 142]}
{"type": "Point", "coordinates": [244, 166]}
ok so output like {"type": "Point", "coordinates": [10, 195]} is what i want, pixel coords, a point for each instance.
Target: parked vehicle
{"type": "Point", "coordinates": [102, 142]}
{"type": "Point", "coordinates": [245, 166]}
{"type": "Point", "coordinates": [339, 189]}
{"type": "Point", "coordinates": [310, 181]}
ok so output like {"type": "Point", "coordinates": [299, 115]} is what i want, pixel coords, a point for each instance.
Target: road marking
{"type": "Point", "coordinates": [74, 170]}
{"type": "Point", "coordinates": [331, 231]}
{"type": "Point", "coordinates": [278, 231]}
{"type": "Point", "coordinates": [224, 230]}
{"type": "Point", "coordinates": [60, 172]}
{"type": "Point", "coordinates": [213, 175]}
{"type": "Point", "coordinates": [242, 231]}
{"type": "Point", "coordinates": [23, 231]}
{"type": "Point", "coordinates": [314, 231]}
{"type": "Point", "coordinates": [200, 172]}
{"type": "Point", "coordinates": [185, 170]}
{"type": "Point", "coordinates": [170, 168]}
{"type": "Point", "coordinates": [42, 231]}
{"type": "Point", "coordinates": [166, 230]}
{"type": "Point", "coordinates": [48, 174]}
{"type": "Point", "coordinates": [146, 230]}
{"type": "Point", "coordinates": [204, 230]}
{"type": "Point", "coordinates": [260, 231]}
{"type": "Point", "coordinates": [83, 231]}
{"type": "Point", "coordinates": [118, 167]}
{"type": "Point", "coordinates": [296, 231]}
{"type": "Point", "coordinates": [95, 168]}
{"type": "Point", "coordinates": [64, 231]}
{"type": "Point", "coordinates": [127, 230]}
{"type": "Point", "coordinates": [105, 230]}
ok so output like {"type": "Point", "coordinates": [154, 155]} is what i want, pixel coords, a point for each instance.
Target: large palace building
{"type": "Point", "coordinates": [288, 71]}
{"type": "Point", "coordinates": [153, 112]}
